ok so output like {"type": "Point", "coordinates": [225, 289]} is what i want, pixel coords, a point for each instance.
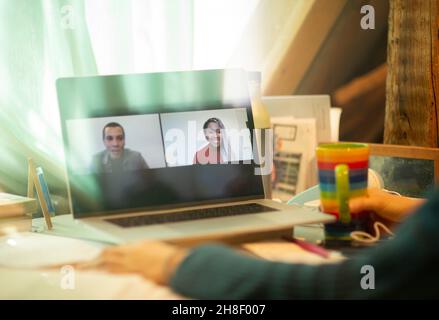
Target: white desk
{"type": "Point", "coordinates": [23, 277]}
{"type": "Point", "coordinates": [23, 255]}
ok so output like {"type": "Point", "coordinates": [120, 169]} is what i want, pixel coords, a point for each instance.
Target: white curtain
{"type": "Point", "coordinates": [42, 40]}
{"type": "Point", "coordinates": [36, 48]}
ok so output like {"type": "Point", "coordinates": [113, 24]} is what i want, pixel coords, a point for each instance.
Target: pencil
{"type": "Point", "coordinates": [322, 252]}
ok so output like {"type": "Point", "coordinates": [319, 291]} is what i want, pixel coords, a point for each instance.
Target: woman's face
{"type": "Point", "coordinates": [213, 134]}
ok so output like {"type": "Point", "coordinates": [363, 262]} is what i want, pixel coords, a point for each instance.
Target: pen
{"type": "Point", "coordinates": [45, 189]}
{"type": "Point", "coordinates": [309, 247]}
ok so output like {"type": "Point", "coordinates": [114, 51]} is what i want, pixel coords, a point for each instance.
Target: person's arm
{"type": "Point", "coordinates": [136, 160]}
{"type": "Point", "coordinates": [403, 267]}
{"type": "Point", "coordinates": [143, 164]}
{"type": "Point", "coordinates": [152, 259]}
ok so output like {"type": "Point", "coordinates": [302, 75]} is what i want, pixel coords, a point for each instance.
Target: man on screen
{"type": "Point", "coordinates": [116, 158]}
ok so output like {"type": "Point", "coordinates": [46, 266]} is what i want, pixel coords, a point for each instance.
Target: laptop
{"type": "Point", "coordinates": [169, 156]}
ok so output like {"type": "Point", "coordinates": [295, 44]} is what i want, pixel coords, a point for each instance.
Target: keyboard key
{"type": "Point", "coordinates": [189, 215]}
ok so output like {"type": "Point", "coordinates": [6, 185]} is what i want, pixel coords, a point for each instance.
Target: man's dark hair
{"type": "Point", "coordinates": [112, 125]}
{"type": "Point", "coordinates": [214, 120]}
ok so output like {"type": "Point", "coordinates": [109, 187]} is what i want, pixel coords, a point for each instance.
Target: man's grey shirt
{"type": "Point", "coordinates": [131, 160]}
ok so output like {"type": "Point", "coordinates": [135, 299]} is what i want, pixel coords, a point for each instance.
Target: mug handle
{"type": "Point", "coordinates": [342, 191]}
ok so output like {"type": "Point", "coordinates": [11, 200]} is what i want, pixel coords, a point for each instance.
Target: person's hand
{"type": "Point", "coordinates": [153, 260]}
{"type": "Point", "coordinates": [388, 206]}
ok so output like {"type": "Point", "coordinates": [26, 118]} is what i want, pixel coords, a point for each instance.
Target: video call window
{"type": "Point", "coordinates": [138, 142]}
{"type": "Point", "coordinates": [110, 144]}
{"type": "Point", "coordinates": [217, 136]}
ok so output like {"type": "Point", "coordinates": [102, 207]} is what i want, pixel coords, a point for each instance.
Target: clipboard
{"type": "Point", "coordinates": [37, 180]}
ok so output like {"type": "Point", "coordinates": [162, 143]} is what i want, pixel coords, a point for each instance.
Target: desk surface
{"type": "Point", "coordinates": [23, 276]}
{"type": "Point", "coordinates": [24, 273]}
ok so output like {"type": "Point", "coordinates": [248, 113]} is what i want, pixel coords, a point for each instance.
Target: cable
{"type": "Point", "coordinates": [364, 237]}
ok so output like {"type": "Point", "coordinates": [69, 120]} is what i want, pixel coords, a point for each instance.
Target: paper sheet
{"type": "Point", "coordinates": [289, 252]}
{"type": "Point", "coordinates": [335, 115]}
{"type": "Point", "coordinates": [313, 106]}
{"type": "Point", "coordinates": [295, 142]}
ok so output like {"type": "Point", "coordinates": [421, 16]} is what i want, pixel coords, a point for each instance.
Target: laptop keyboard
{"type": "Point", "coordinates": [188, 215]}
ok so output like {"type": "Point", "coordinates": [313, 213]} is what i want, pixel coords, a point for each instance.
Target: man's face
{"type": "Point", "coordinates": [213, 134]}
{"type": "Point", "coordinates": [114, 141]}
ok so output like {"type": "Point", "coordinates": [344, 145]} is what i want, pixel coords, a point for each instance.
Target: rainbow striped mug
{"type": "Point", "coordinates": [343, 172]}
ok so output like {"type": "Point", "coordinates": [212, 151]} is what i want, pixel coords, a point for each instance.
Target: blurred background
{"type": "Point", "coordinates": [300, 46]}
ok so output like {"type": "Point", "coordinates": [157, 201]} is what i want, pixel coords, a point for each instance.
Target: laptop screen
{"type": "Point", "coordinates": [156, 140]}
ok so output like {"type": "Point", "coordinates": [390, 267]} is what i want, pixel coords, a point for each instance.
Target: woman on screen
{"type": "Point", "coordinates": [218, 149]}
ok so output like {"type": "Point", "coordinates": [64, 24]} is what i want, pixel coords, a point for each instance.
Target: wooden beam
{"type": "Point", "coordinates": [361, 86]}
{"type": "Point", "coordinates": [298, 44]}
{"type": "Point", "coordinates": [363, 103]}
{"type": "Point", "coordinates": [412, 83]}
{"type": "Point", "coordinates": [362, 118]}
